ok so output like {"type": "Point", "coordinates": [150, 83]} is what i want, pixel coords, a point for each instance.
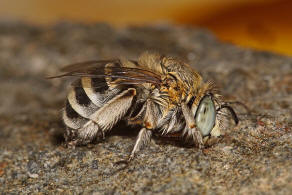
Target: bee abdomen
{"type": "Point", "coordinates": [80, 102]}
{"type": "Point", "coordinates": [94, 89]}
{"type": "Point", "coordinates": [71, 118]}
{"type": "Point", "coordinates": [84, 99]}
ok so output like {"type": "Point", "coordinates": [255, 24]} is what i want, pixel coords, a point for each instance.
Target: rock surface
{"type": "Point", "coordinates": [253, 157]}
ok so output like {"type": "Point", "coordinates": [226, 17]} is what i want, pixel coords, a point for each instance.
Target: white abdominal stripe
{"type": "Point", "coordinates": [89, 109]}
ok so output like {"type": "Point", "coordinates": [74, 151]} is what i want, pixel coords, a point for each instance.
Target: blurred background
{"type": "Point", "coordinates": [259, 24]}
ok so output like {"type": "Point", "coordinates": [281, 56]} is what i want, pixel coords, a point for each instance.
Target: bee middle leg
{"type": "Point", "coordinates": [149, 123]}
{"type": "Point", "coordinates": [143, 139]}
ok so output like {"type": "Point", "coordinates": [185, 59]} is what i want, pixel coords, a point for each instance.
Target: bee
{"type": "Point", "coordinates": [160, 94]}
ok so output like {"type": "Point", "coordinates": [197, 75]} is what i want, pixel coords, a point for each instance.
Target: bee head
{"type": "Point", "coordinates": [208, 119]}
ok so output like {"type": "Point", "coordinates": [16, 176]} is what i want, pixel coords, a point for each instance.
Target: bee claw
{"type": "Point", "coordinates": [72, 144]}
{"type": "Point", "coordinates": [103, 135]}
{"type": "Point", "coordinates": [131, 158]}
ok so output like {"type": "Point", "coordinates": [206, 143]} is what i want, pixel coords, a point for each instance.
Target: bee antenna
{"type": "Point", "coordinates": [241, 104]}
{"type": "Point", "coordinates": [231, 110]}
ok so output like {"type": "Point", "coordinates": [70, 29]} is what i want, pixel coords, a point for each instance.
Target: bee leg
{"type": "Point", "coordinates": [89, 131]}
{"type": "Point", "coordinates": [71, 138]}
{"type": "Point", "coordinates": [145, 133]}
{"type": "Point", "coordinates": [190, 121]}
{"type": "Point", "coordinates": [106, 117]}
{"type": "Point", "coordinates": [143, 139]}
{"type": "Point", "coordinates": [197, 137]}
{"type": "Point", "coordinates": [209, 141]}
{"type": "Point", "coordinates": [103, 135]}
{"type": "Point", "coordinates": [72, 144]}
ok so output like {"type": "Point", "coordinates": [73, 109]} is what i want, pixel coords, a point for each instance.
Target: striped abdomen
{"type": "Point", "coordinates": [86, 97]}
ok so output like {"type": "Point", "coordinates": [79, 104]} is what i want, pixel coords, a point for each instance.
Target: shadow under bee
{"type": "Point", "coordinates": [122, 130]}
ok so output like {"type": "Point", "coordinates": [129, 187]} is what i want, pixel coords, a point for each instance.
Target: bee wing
{"type": "Point", "coordinates": [81, 66]}
{"type": "Point", "coordinates": [111, 69]}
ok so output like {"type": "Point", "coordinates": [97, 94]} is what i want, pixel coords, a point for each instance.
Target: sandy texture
{"type": "Point", "coordinates": [255, 156]}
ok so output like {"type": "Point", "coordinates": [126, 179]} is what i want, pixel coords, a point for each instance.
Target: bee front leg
{"type": "Point", "coordinates": [190, 121]}
{"type": "Point", "coordinates": [197, 137]}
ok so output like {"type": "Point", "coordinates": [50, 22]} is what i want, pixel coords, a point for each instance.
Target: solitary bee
{"type": "Point", "coordinates": [160, 94]}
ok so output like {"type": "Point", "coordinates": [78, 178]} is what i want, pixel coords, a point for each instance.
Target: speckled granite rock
{"type": "Point", "coordinates": [255, 156]}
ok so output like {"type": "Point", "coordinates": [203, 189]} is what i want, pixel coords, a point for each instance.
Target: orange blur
{"type": "Point", "coordinates": [260, 24]}
{"type": "Point", "coordinates": [264, 26]}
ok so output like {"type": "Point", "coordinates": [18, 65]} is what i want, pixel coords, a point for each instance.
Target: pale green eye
{"type": "Point", "coordinates": [205, 115]}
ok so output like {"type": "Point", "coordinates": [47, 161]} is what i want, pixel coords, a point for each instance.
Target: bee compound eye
{"type": "Point", "coordinates": [205, 115]}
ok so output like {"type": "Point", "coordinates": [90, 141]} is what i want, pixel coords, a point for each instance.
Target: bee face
{"type": "Point", "coordinates": [160, 94]}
